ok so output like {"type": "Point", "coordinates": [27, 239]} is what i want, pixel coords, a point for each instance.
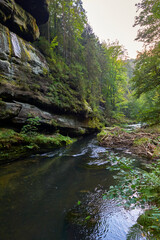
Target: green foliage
{"type": "Point", "coordinates": [88, 217]}
{"type": "Point", "coordinates": [31, 126]}
{"type": "Point", "coordinates": [146, 80]}
{"type": "Point", "coordinates": [6, 133]}
{"type": "Point", "coordinates": [137, 187]}
{"type": "Point", "coordinates": [150, 221]}
{"type": "Point", "coordinates": [141, 141]}
{"type": "Point", "coordinates": [54, 43]}
{"type": "Point", "coordinates": [148, 20]}
{"type": "Point", "coordinates": [87, 77]}
{"type": "Point", "coordinates": [146, 84]}
{"type": "Point", "coordinates": [44, 46]}
{"type": "Point", "coordinates": [95, 123]}
{"type": "Point", "coordinates": [102, 133]}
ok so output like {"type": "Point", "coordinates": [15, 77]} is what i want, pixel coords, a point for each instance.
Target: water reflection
{"type": "Point", "coordinates": [37, 193]}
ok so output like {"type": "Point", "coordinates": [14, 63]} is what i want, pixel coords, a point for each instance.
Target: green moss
{"type": "Point", "coordinates": [5, 113]}
{"type": "Point", "coordinates": [156, 151]}
{"type": "Point", "coordinates": [54, 122]}
{"type": "Point", "coordinates": [13, 153]}
{"type": "Point", "coordinates": [141, 141]}
{"type": "Point", "coordinates": [14, 145]}
{"type": "Point", "coordinates": [3, 80]}
{"type": "Point", "coordinates": [95, 123]}
{"type": "Point", "coordinates": [64, 97]}
{"type": "Point", "coordinates": [48, 141]}
{"type": "Point", "coordinates": [9, 137]}
{"type": "Point", "coordinates": [45, 71]}
{"type": "Point", "coordinates": [26, 51]}
{"type": "Point", "coordinates": [81, 131]}
{"type": "Point", "coordinates": [103, 133]}
{"type": "Point", "coordinates": [35, 87]}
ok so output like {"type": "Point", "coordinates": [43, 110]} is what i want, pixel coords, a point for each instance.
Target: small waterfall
{"type": "Point", "coordinates": [16, 46]}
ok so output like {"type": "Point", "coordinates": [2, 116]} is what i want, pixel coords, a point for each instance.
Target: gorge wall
{"type": "Point", "coordinates": [25, 82]}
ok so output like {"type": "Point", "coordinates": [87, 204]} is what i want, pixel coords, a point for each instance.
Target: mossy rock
{"type": "Point", "coordinates": [15, 145]}
{"type": "Point", "coordinates": [13, 154]}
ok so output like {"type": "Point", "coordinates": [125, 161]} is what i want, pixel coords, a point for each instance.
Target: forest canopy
{"type": "Point", "coordinates": [95, 77]}
{"type": "Point", "coordinates": [146, 81]}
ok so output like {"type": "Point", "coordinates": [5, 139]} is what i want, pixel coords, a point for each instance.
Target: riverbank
{"type": "Point", "coordinates": [136, 186]}
{"type": "Point", "coordinates": [14, 145]}
{"type": "Point", "coordinates": [144, 142]}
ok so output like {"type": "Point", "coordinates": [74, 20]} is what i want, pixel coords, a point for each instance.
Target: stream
{"type": "Point", "coordinates": [40, 193]}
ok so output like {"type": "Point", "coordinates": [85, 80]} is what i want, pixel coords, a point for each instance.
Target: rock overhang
{"type": "Point", "coordinates": [37, 8]}
{"type": "Point", "coordinates": [18, 20]}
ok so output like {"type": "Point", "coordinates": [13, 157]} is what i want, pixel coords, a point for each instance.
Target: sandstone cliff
{"type": "Point", "coordinates": [25, 83]}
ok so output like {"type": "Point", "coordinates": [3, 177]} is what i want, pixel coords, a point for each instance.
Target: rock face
{"type": "Point", "coordinates": [19, 61]}
{"type": "Point", "coordinates": [18, 20]}
{"type": "Point", "coordinates": [25, 88]}
{"type": "Point", "coordinates": [23, 70]}
{"type": "Point", "coordinates": [17, 113]}
{"type": "Point", "coordinates": [37, 8]}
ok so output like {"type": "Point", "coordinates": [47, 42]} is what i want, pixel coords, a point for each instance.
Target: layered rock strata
{"type": "Point", "coordinates": [25, 87]}
{"type": "Point", "coordinates": [25, 83]}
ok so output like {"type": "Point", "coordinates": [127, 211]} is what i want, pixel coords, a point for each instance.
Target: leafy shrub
{"type": "Point", "coordinates": [138, 187]}
{"type": "Point", "coordinates": [31, 126]}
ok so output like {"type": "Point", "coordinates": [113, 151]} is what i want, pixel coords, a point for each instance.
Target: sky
{"type": "Point", "coordinates": [113, 20]}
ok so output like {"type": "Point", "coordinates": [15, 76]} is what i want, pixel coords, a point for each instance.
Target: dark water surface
{"type": "Point", "coordinates": [37, 193]}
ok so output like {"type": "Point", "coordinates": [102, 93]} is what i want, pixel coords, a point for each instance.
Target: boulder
{"type": "Point", "coordinates": [18, 20]}
{"type": "Point", "coordinates": [37, 8]}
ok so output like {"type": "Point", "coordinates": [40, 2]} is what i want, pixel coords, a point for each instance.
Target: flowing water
{"type": "Point", "coordinates": [38, 194]}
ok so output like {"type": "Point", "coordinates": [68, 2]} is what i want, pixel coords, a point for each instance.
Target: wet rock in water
{"type": "Point", "coordinates": [83, 218]}
{"type": "Point", "coordinates": [80, 217]}
{"type": "Point", "coordinates": [79, 220]}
